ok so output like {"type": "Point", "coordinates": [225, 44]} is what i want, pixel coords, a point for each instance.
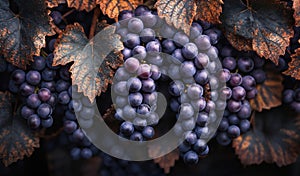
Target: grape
{"type": "Point", "coordinates": [44, 94]}
{"type": "Point", "coordinates": [199, 104]}
{"type": "Point", "coordinates": [127, 128]}
{"type": "Point", "coordinates": [75, 153]}
{"type": "Point", "coordinates": [132, 40]}
{"type": "Point", "coordinates": [63, 97]}
{"type": "Point", "coordinates": [122, 75]}
{"type": "Point", "coordinates": [238, 93]}
{"type": "Point", "coordinates": [258, 62]}
{"type": "Point", "coordinates": [229, 63]}
{"type": "Point", "coordinates": [150, 98]}
{"type": "Point", "coordinates": [129, 112]}
{"type": "Point", "coordinates": [144, 71]}
{"type": "Point", "coordinates": [46, 123]}
{"type": "Point", "coordinates": [184, 147]}
{"type": "Point", "coordinates": [244, 112]}
{"type": "Point", "coordinates": [224, 75]}
{"type": "Point", "coordinates": [195, 30]}
{"type": "Point", "coordinates": [134, 85]}
{"type": "Point", "coordinates": [223, 139]}
{"type": "Point", "coordinates": [13, 87]}
{"type": "Point", "coordinates": [70, 115]}
{"type": "Point", "coordinates": [86, 153]}
{"type": "Point", "coordinates": [147, 35]}
{"type": "Point", "coordinates": [156, 74]}
{"type": "Point", "coordinates": [190, 158]}
{"type": "Point", "coordinates": [202, 119]}
{"type": "Point", "coordinates": [203, 42]}
{"type": "Point", "coordinates": [135, 25]}
{"type": "Point", "coordinates": [190, 138]}
{"type": "Point", "coordinates": [259, 75]}
{"type": "Point", "coordinates": [201, 77]}
{"type": "Point", "coordinates": [194, 91]}
{"type": "Point", "coordinates": [212, 53]}
{"type": "Point", "coordinates": [244, 126]}
{"type": "Point", "coordinates": [33, 121]}
{"type": "Point", "coordinates": [187, 69]}
{"type": "Point", "coordinates": [234, 106]}
{"type": "Point", "coordinates": [224, 124]}
{"type": "Point", "coordinates": [176, 88]}
{"type": "Point", "coordinates": [139, 52]}
{"type": "Point", "coordinates": [49, 85]}
{"type": "Point", "coordinates": [233, 131]}
{"type": "Point", "coordinates": [201, 61]}
{"type": "Point", "coordinates": [70, 126]}
{"type": "Point", "coordinates": [18, 76]}
{"type": "Point", "coordinates": [33, 77]}
{"type": "Point", "coordinates": [248, 83]}
{"type": "Point", "coordinates": [135, 99]}
{"type": "Point", "coordinates": [125, 15]}
{"type": "Point", "coordinates": [148, 85]}
{"type": "Point", "coordinates": [180, 39]}
{"type": "Point", "coordinates": [121, 88]}
{"type": "Point", "coordinates": [235, 80]}
{"type": "Point", "coordinates": [149, 19]}
{"type": "Point", "coordinates": [148, 132]}
{"type": "Point", "coordinates": [168, 46]}
{"type": "Point", "coordinates": [48, 74]}
{"type": "Point", "coordinates": [44, 110]}
{"type": "Point", "coordinates": [56, 16]}
{"type": "Point", "coordinates": [140, 10]}
{"type": "Point", "coordinates": [62, 85]}
{"type": "Point", "coordinates": [288, 96]}
{"type": "Point", "coordinates": [78, 135]}
{"type": "Point", "coordinates": [233, 119]}
{"type": "Point", "coordinates": [33, 101]}
{"type": "Point", "coordinates": [190, 51]}
{"type": "Point", "coordinates": [245, 64]}
{"type": "Point", "coordinates": [186, 110]}
{"type": "Point", "coordinates": [153, 47]}
{"type": "Point", "coordinates": [177, 55]}
{"type": "Point", "coordinates": [26, 112]}
{"type": "Point", "coordinates": [295, 106]}
{"type": "Point", "coordinates": [39, 63]}
{"type": "Point", "coordinates": [131, 65]}
{"type": "Point", "coordinates": [143, 109]}
{"type": "Point", "coordinates": [123, 31]}
{"type": "Point", "coordinates": [136, 136]}
{"type": "Point", "coordinates": [26, 89]}
{"type": "Point", "coordinates": [121, 101]}
{"type": "Point", "coordinates": [214, 35]}
{"type": "Point", "coordinates": [251, 94]}
{"type": "Point", "coordinates": [174, 105]}
{"type": "Point", "coordinates": [126, 52]}
{"type": "Point", "coordinates": [200, 146]}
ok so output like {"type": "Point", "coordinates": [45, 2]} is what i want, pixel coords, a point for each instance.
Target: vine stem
{"type": "Point", "coordinates": [94, 22]}
{"type": "Point", "coordinates": [68, 13]}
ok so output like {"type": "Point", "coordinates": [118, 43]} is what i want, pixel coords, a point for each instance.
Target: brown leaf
{"type": "Point", "coordinates": [179, 13]}
{"type": "Point", "coordinates": [296, 7]}
{"type": "Point", "coordinates": [268, 24]}
{"type": "Point", "coordinates": [238, 42]}
{"type": "Point", "coordinates": [80, 5]}
{"type": "Point", "coordinates": [209, 10]}
{"type": "Point", "coordinates": [165, 162]}
{"type": "Point", "coordinates": [16, 139]}
{"type": "Point", "coordinates": [109, 119]}
{"type": "Point", "coordinates": [112, 8]}
{"type": "Point", "coordinates": [294, 65]}
{"type": "Point", "coordinates": [54, 3]}
{"type": "Point", "coordinates": [91, 167]}
{"type": "Point", "coordinates": [23, 34]}
{"type": "Point", "coordinates": [275, 138]}
{"type": "Point", "coordinates": [94, 60]}
{"type": "Point", "coordinates": [268, 93]}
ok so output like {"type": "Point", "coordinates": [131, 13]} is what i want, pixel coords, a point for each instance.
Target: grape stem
{"type": "Point", "coordinates": [94, 22]}
{"type": "Point", "coordinates": [67, 14]}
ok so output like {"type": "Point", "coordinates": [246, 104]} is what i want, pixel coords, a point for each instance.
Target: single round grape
{"type": "Point", "coordinates": [148, 132]}
{"type": "Point", "coordinates": [124, 16]}
{"type": "Point", "coordinates": [126, 52]}
{"type": "Point", "coordinates": [140, 10]}
{"type": "Point", "coordinates": [131, 65]}
{"type": "Point", "coordinates": [213, 34]}
{"type": "Point", "coordinates": [233, 131]}
{"type": "Point", "coordinates": [48, 74]}
{"type": "Point", "coordinates": [201, 77]}
{"type": "Point", "coordinates": [127, 128]}
{"type": "Point", "coordinates": [238, 93]}
{"type": "Point", "coordinates": [39, 63]}
{"type": "Point", "coordinates": [56, 16]}
{"type": "Point", "coordinates": [177, 56]}
{"type": "Point", "coordinates": [139, 52]}
{"type": "Point", "coordinates": [33, 121]}
{"type": "Point", "coordinates": [188, 125]}
{"type": "Point", "coordinates": [176, 88]}
{"type": "Point", "coordinates": [86, 153]}
{"type": "Point", "coordinates": [26, 89]}
{"type": "Point", "coordinates": [245, 64]}
{"type": "Point", "coordinates": [134, 85]}
{"type": "Point", "coordinates": [62, 85]}
{"type": "Point", "coordinates": [189, 51]}
{"type": "Point", "coordinates": [136, 136]}
{"type": "Point", "coordinates": [26, 112]}
{"type": "Point", "coordinates": [152, 119]}
{"type": "Point", "coordinates": [143, 109]}
{"type": "Point", "coordinates": [248, 83]}
{"type": "Point", "coordinates": [201, 60]}
{"type": "Point", "coordinates": [234, 106]}
{"type": "Point", "coordinates": [223, 139]}
{"type": "Point", "coordinates": [226, 93]}
{"type": "Point", "coordinates": [168, 46]}
{"type": "Point", "coordinates": [288, 96]}
{"type": "Point", "coordinates": [210, 106]}
{"type": "Point", "coordinates": [244, 126]}
{"type": "Point", "coordinates": [64, 98]}
{"type": "Point", "coordinates": [46, 123]}
{"type": "Point", "coordinates": [202, 42]}
{"type": "Point", "coordinates": [148, 85]}
{"type": "Point", "coordinates": [199, 104]}
{"type": "Point", "coordinates": [135, 25]}
{"type": "Point", "coordinates": [33, 77]}
{"type": "Point", "coordinates": [131, 40]}
{"type": "Point", "coordinates": [184, 147]}
{"type": "Point", "coordinates": [44, 110]}
{"type": "Point", "coordinates": [33, 101]}
{"type": "Point", "coordinates": [190, 138]}
{"type": "Point", "coordinates": [135, 99]}
{"type": "Point", "coordinates": [148, 19]}
{"type": "Point", "coordinates": [224, 124]}
{"type": "Point", "coordinates": [180, 39]}
{"type": "Point", "coordinates": [120, 88]}
{"type": "Point", "coordinates": [202, 119]}
{"type": "Point", "coordinates": [259, 75]}
{"type": "Point", "coordinates": [229, 63]}
{"type": "Point", "coordinates": [49, 85]}
{"type": "Point", "coordinates": [195, 91]}
{"type": "Point", "coordinates": [70, 126]}
{"type": "Point", "coordinates": [147, 35]}
{"type": "Point", "coordinates": [195, 30]}
{"type": "Point", "coordinates": [187, 69]}
{"type": "Point", "coordinates": [200, 146]}
{"type": "Point", "coordinates": [78, 135]}
{"type": "Point", "coordinates": [244, 112]}
{"type": "Point", "coordinates": [75, 153]}
{"type": "Point", "coordinates": [144, 71]}
{"type": "Point", "coordinates": [174, 105]}
{"type": "Point", "coordinates": [251, 94]}
{"type": "Point", "coordinates": [153, 47]}
{"type": "Point", "coordinates": [212, 53]}
{"type": "Point", "coordinates": [121, 101]}
{"type": "Point", "coordinates": [295, 106]}
{"type": "Point", "coordinates": [150, 98]}
{"type": "Point", "coordinates": [87, 113]}
{"type": "Point", "coordinates": [190, 158]}
{"type": "Point", "coordinates": [122, 75]}
{"type": "Point", "coordinates": [70, 115]}
{"type": "Point", "coordinates": [233, 119]}
{"type": "Point", "coordinates": [18, 76]}
{"type": "Point", "coordinates": [186, 111]}
{"type": "Point", "coordinates": [235, 80]}
{"type": "Point", "coordinates": [156, 74]}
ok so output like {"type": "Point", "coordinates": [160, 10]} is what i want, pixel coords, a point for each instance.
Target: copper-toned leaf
{"type": "Point", "coordinates": [54, 3]}
{"type": "Point", "coordinates": [274, 138]}
{"type": "Point", "coordinates": [16, 139]}
{"type": "Point", "coordinates": [209, 10]}
{"type": "Point", "coordinates": [267, 23]}
{"type": "Point", "coordinates": [22, 34]}
{"type": "Point", "coordinates": [294, 66]}
{"type": "Point", "coordinates": [179, 13]}
{"type": "Point", "coordinates": [165, 162]}
{"type": "Point", "coordinates": [238, 42]}
{"type": "Point", "coordinates": [109, 119]}
{"type": "Point", "coordinates": [269, 92]}
{"type": "Point", "coordinates": [89, 58]}
{"type": "Point", "coordinates": [296, 7]}
{"type": "Point", "coordinates": [87, 5]}
{"type": "Point", "coordinates": [112, 8]}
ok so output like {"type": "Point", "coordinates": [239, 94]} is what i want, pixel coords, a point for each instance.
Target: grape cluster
{"type": "Point", "coordinates": [242, 72]}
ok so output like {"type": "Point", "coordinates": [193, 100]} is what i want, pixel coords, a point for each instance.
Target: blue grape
{"type": "Point", "coordinates": [33, 101]}
{"type": "Point", "coordinates": [44, 110]}
{"type": "Point", "coordinates": [18, 76]}
{"type": "Point", "coordinates": [190, 158]}
{"type": "Point", "coordinates": [33, 121]}
{"type": "Point", "coordinates": [33, 77]}
{"type": "Point", "coordinates": [39, 63]}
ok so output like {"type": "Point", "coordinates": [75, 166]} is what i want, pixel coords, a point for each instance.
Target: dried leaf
{"type": "Point", "coordinates": [80, 5]}
{"type": "Point", "coordinates": [296, 7]}
{"type": "Point", "coordinates": [275, 138]}
{"type": "Point", "coordinates": [165, 162]}
{"type": "Point", "coordinates": [294, 65]}
{"type": "Point", "coordinates": [267, 23]}
{"type": "Point", "coordinates": [90, 57]}
{"type": "Point", "coordinates": [16, 139]}
{"type": "Point", "coordinates": [22, 35]}
{"type": "Point", "coordinates": [179, 13]}
{"type": "Point", "coordinates": [109, 119]}
{"type": "Point", "coordinates": [112, 8]}
{"type": "Point", "coordinates": [268, 93]}
{"type": "Point", "coordinates": [209, 10]}
{"type": "Point", "coordinates": [54, 3]}
{"type": "Point", "coordinates": [238, 42]}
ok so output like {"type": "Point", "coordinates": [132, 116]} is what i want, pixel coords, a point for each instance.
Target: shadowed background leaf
{"type": "Point", "coordinates": [179, 13]}
{"type": "Point", "coordinates": [274, 138]}
{"type": "Point", "coordinates": [209, 10]}
{"type": "Point", "coordinates": [110, 120]}
{"type": "Point", "coordinates": [54, 3]}
{"type": "Point", "coordinates": [238, 42]}
{"type": "Point", "coordinates": [267, 23]}
{"type": "Point", "coordinates": [80, 5]}
{"type": "Point", "coordinates": [269, 93]}
{"type": "Point", "coordinates": [294, 65]}
{"type": "Point", "coordinates": [112, 8]}
{"type": "Point", "coordinates": [296, 7]}
{"type": "Point", "coordinates": [23, 30]}
{"type": "Point", "coordinates": [16, 139]}
{"type": "Point", "coordinates": [87, 55]}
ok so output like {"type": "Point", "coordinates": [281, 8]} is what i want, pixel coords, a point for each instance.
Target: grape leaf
{"type": "Point", "coordinates": [294, 65]}
{"type": "Point", "coordinates": [209, 10]}
{"type": "Point", "coordinates": [112, 8]}
{"type": "Point", "coordinates": [179, 13]}
{"type": "Point", "coordinates": [87, 55]}
{"type": "Point", "coordinates": [296, 7]}
{"type": "Point", "coordinates": [16, 139]}
{"type": "Point", "coordinates": [110, 120]}
{"type": "Point", "coordinates": [23, 34]}
{"type": "Point", "coordinates": [54, 3]}
{"type": "Point", "coordinates": [238, 42]}
{"type": "Point", "coordinates": [165, 162]}
{"type": "Point", "coordinates": [80, 5]}
{"type": "Point", "coordinates": [267, 23]}
{"type": "Point", "coordinates": [269, 92]}
{"type": "Point", "coordinates": [274, 138]}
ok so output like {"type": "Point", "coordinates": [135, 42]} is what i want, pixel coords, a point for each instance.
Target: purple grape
{"type": "Point", "coordinates": [288, 96]}
{"type": "Point", "coordinates": [127, 128]}
{"type": "Point", "coordinates": [224, 124]}
{"type": "Point", "coordinates": [156, 74]}
{"type": "Point", "coordinates": [238, 93]}
{"type": "Point", "coordinates": [223, 139]}
{"type": "Point", "coordinates": [202, 42]}
{"type": "Point", "coordinates": [180, 39]}
{"type": "Point", "coordinates": [124, 16]}
{"type": "Point", "coordinates": [26, 112]}
{"type": "Point", "coordinates": [168, 46]}
{"type": "Point", "coordinates": [135, 99]}
{"type": "Point", "coordinates": [39, 63]}
{"type": "Point", "coordinates": [251, 94]}
{"type": "Point", "coordinates": [190, 138]}
{"type": "Point", "coordinates": [26, 89]}
{"type": "Point", "coordinates": [149, 19]}
{"type": "Point", "coordinates": [201, 60]}
{"type": "Point", "coordinates": [33, 121]}
{"type": "Point", "coordinates": [131, 65]}
{"type": "Point", "coordinates": [134, 85]}
{"type": "Point", "coordinates": [177, 55]}
{"type": "Point", "coordinates": [18, 76]}
{"type": "Point", "coordinates": [44, 110]}
{"type": "Point", "coordinates": [189, 51]}
{"type": "Point", "coordinates": [56, 16]}
{"type": "Point", "coordinates": [187, 69]}
{"type": "Point", "coordinates": [235, 80]}
{"type": "Point", "coordinates": [131, 40]}
{"type": "Point", "coordinates": [248, 83]}
{"type": "Point", "coordinates": [202, 119]}
{"type": "Point", "coordinates": [44, 94]}
{"type": "Point", "coordinates": [174, 105]}
{"type": "Point", "coordinates": [233, 131]}
{"type": "Point", "coordinates": [259, 75]}
{"type": "Point", "coordinates": [46, 123]}
{"type": "Point", "coordinates": [139, 52]}
{"type": "Point", "coordinates": [135, 25]}
{"type": "Point", "coordinates": [153, 47]}
{"type": "Point", "coordinates": [144, 71]}
{"type": "Point", "coordinates": [13, 87]}
{"type": "Point", "coordinates": [201, 77]}
{"type": "Point", "coordinates": [136, 136]}
{"type": "Point", "coordinates": [244, 126]}
{"type": "Point", "coordinates": [147, 35]}
{"type": "Point", "coordinates": [233, 119]}
{"type": "Point", "coordinates": [70, 126]}
{"type": "Point", "coordinates": [48, 74]}
{"type": "Point", "coordinates": [126, 52]}
{"type": "Point", "coordinates": [190, 158]}
{"type": "Point", "coordinates": [234, 106]}
{"type": "Point", "coordinates": [195, 30]}
{"type": "Point", "coordinates": [195, 91]}
{"type": "Point", "coordinates": [229, 63]}
{"type": "Point", "coordinates": [245, 64]}
{"type": "Point", "coordinates": [176, 88]}
{"type": "Point", "coordinates": [33, 77]}
{"type": "Point", "coordinates": [140, 10]}
{"type": "Point", "coordinates": [64, 98]}
{"type": "Point", "coordinates": [148, 132]}
{"type": "Point", "coordinates": [33, 101]}
{"type": "Point", "coordinates": [200, 146]}
{"type": "Point", "coordinates": [148, 85]}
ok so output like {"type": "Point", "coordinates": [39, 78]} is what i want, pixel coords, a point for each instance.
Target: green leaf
{"type": "Point", "coordinates": [24, 26]}
{"type": "Point", "coordinates": [16, 139]}
{"type": "Point", "coordinates": [267, 23]}
{"type": "Point", "coordinates": [94, 60]}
